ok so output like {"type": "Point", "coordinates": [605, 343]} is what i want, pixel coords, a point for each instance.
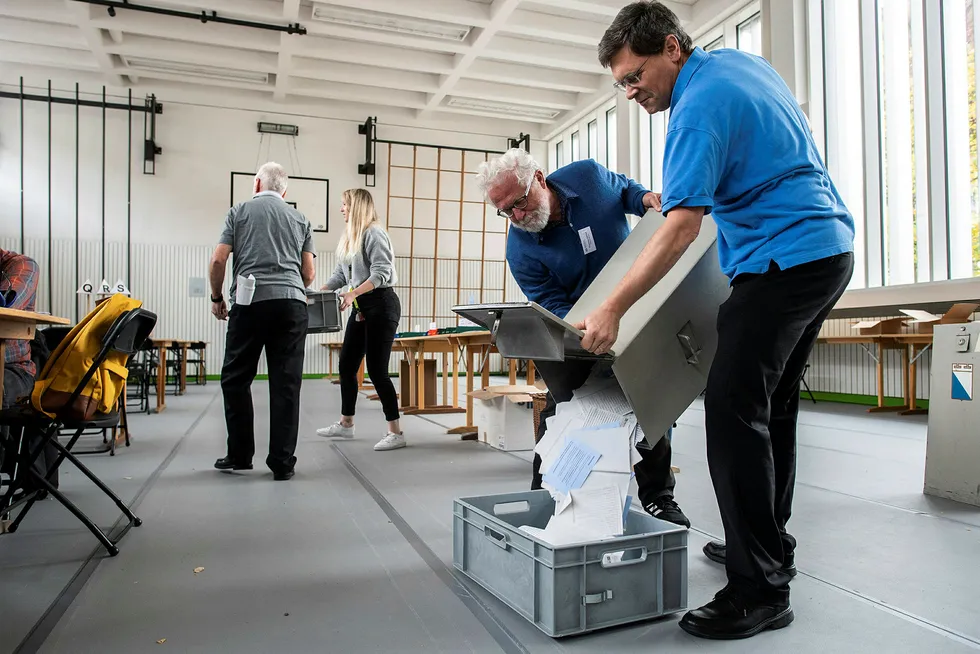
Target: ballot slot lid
{"type": "Point", "coordinates": [526, 330]}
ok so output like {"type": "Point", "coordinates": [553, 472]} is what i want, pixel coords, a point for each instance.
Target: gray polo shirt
{"type": "Point", "coordinates": [268, 238]}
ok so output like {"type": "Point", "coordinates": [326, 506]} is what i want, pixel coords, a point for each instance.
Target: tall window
{"type": "Point", "coordinates": [575, 148]}
{"type": "Point", "coordinates": [611, 139]}
{"type": "Point", "coordinates": [749, 35]}
{"type": "Point", "coordinates": [960, 23]}
{"type": "Point", "coordinates": [559, 154]}
{"type": "Point", "coordinates": [593, 146]}
{"type": "Point", "coordinates": [911, 183]}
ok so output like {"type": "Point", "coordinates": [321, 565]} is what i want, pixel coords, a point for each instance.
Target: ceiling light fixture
{"type": "Point", "coordinates": [389, 23]}
{"type": "Point", "coordinates": [503, 108]}
{"type": "Point", "coordinates": [195, 70]}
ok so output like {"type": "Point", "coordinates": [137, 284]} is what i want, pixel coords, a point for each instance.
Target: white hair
{"type": "Point", "coordinates": [515, 160]}
{"type": "Point", "coordinates": [273, 177]}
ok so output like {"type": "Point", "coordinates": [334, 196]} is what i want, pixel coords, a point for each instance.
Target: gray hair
{"type": "Point", "coordinates": [515, 160]}
{"type": "Point", "coordinates": [643, 27]}
{"type": "Point", "coordinates": [273, 177]}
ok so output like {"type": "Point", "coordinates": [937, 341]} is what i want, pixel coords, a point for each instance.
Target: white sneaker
{"type": "Point", "coordinates": [336, 430]}
{"type": "Point", "coordinates": [390, 442]}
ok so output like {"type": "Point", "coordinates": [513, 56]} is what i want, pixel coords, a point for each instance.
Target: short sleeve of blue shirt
{"type": "Point", "coordinates": [693, 164]}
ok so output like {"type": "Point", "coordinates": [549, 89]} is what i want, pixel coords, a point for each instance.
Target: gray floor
{"type": "Point", "coordinates": [355, 553]}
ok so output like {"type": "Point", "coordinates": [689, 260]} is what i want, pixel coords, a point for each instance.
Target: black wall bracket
{"type": "Point", "coordinates": [523, 141]}
{"type": "Point", "coordinates": [150, 147]}
{"type": "Point", "coordinates": [369, 130]}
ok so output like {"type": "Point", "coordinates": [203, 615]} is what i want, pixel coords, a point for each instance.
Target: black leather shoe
{"type": "Point", "coordinates": [283, 476]}
{"type": "Point", "coordinates": [715, 551]}
{"type": "Point", "coordinates": [227, 463]}
{"type": "Point", "coordinates": [666, 509]}
{"type": "Point", "coordinates": [730, 616]}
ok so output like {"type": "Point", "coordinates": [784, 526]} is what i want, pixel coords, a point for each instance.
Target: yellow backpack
{"type": "Point", "coordinates": [73, 357]}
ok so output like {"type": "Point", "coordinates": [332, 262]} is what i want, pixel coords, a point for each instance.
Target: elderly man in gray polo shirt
{"type": "Point", "coordinates": [274, 243]}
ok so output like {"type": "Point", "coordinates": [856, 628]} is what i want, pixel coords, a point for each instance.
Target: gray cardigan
{"type": "Point", "coordinates": [375, 263]}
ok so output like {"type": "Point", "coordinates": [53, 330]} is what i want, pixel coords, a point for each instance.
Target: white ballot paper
{"type": "Point", "coordinates": [244, 290]}
{"type": "Point", "coordinates": [598, 510]}
{"type": "Point", "coordinates": [613, 444]}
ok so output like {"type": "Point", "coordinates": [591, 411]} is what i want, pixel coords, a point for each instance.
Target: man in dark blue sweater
{"type": "Point", "coordinates": [568, 226]}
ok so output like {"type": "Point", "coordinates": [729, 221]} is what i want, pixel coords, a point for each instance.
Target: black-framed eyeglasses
{"type": "Point", "coordinates": [521, 202]}
{"type": "Point", "coordinates": [631, 79]}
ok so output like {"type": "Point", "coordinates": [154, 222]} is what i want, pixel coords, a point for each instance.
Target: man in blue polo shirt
{"type": "Point", "coordinates": [568, 226]}
{"type": "Point", "coordinates": [738, 147]}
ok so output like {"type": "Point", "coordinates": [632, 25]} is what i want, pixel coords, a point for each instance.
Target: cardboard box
{"type": "Point", "coordinates": [503, 417]}
{"type": "Point", "coordinates": [881, 326]}
{"type": "Point", "coordinates": [923, 321]}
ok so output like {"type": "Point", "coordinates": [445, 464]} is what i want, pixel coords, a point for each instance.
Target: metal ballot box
{"type": "Point", "coordinates": [952, 445]}
{"type": "Point", "coordinates": [666, 341]}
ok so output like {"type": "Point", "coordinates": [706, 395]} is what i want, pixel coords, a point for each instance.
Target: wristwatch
{"type": "Point", "coordinates": [217, 299]}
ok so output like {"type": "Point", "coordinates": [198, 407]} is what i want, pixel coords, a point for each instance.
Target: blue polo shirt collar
{"type": "Point", "coordinates": [691, 66]}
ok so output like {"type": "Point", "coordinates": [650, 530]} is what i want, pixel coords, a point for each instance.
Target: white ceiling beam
{"type": "Point", "coordinates": [287, 45]}
{"type": "Point", "coordinates": [95, 40]}
{"type": "Point", "coordinates": [48, 11]}
{"type": "Point", "coordinates": [456, 12]}
{"type": "Point", "coordinates": [533, 76]}
{"type": "Point", "coordinates": [518, 50]}
{"type": "Point", "coordinates": [331, 32]}
{"type": "Point", "coordinates": [197, 53]}
{"type": "Point", "coordinates": [500, 13]}
{"type": "Point", "coordinates": [356, 93]}
{"type": "Point", "coordinates": [491, 114]}
{"type": "Point", "coordinates": [42, 55]}
{"type": "Point", "coordinates": [318, 52]}
{"type": "Point", "coordinates": [609, 8]}
{"type": "Point", "coordinates": [116, 36]}
{"type": "Point", "coordinates": [24, 31]}
{"type": "Point", "coordinates": [568, 30]}
{"type": "Point", "coordinates": [369, 76]}
{"type": "Point", "coordinates": [518, 95]}
{"type": "Point", "coordinates": [182, 29]}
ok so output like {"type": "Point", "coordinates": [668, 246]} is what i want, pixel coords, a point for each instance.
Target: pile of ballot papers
{"type": "Point", "coordinates": [587, 458]}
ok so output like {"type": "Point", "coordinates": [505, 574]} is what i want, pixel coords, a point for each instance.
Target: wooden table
{"type": "Point", "coordinates": [162, 345]}
{"type": "Point", "coordinates": [17, 325]}
{"type": "Point", "coordinates": [415, 348]}
{"type": "Point", "coordinates": [361, 386]}
{"type": "Point", "coordinates": [908, 344]}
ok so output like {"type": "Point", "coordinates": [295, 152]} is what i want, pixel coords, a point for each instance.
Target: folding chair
{"type": "Point", "coordinates": [125, 336]}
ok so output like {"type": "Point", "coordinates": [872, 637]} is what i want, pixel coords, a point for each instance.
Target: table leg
{"type": "Point", "coordinates": [445, 378]}
{"type": "Point", "coordinates": [420, 375]}
{"type": "Point", "coordinates": [3, 357]}
{"type": "Point", "coordinates": [183, 369]}
{"type": "Point", "coordinates": [512, 378]}
{"type": "Point", "coordinates": [485, 371]}
{"type": "Point", "coordinates": [412, 381]}
{"type": "Point", "coordinates": [530, 372]}
{"type": "Point", "coordinates": [468, 430]}
{"type": "Point", "coordinates": [161, 378]}
{"type": "Point", "coordinates": [913, 383]}
{"type": "Point", "coordinates": [455, 376]}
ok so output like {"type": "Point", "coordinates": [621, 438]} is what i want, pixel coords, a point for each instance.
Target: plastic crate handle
{"type": "Point", "coordinates": [495, 537]}
{"type": "Point", "coordinates": [597, 598]}
{"type": "Point", "coordinates": [642, 551]}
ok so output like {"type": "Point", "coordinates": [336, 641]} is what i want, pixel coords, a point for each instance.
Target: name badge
{"type": "Point", "coordinates": [588, 243]}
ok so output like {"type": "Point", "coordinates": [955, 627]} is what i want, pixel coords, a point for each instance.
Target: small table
{"type": "Point", "coordinates": [17, 325]}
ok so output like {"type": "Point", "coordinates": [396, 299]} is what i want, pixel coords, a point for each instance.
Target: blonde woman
{"type": "Point", "coordinates": [366, 274]}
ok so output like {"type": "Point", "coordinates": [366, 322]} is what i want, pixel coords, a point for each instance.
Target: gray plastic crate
{"type": "Point", "coordinates": [324, 312]}
{"type": "Point", "coordinates": [576, 588]}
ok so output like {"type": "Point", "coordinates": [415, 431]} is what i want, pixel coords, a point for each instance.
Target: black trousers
{"type": "Point", "coordinates": [18, 383]}
{"type": "Point", "coordinates": [280, 327]}
{"type": "Point", "coordinates": [654, 477]}
{"type": "Point", "coordinates": [370, 339]}
{"type": "Point", "coordinates": [766, 330]}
